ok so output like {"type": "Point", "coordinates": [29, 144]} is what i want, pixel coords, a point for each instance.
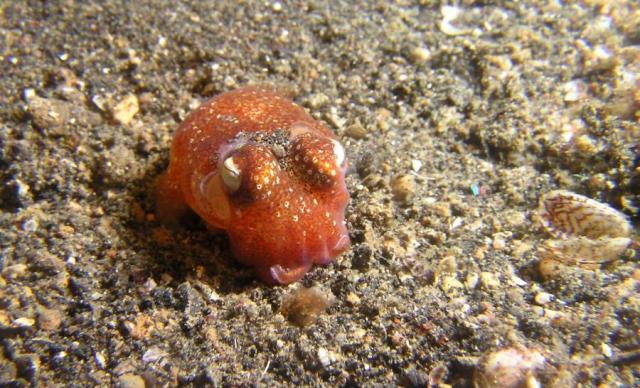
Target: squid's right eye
{"type": "Point", "coordinates": [231, 175]}
{"type": "Point", "coordinates": [318, 160]}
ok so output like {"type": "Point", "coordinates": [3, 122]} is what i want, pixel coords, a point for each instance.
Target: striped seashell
{"type": "Point", "coordinates": [565, 214]}
{"type": "Point", "coordinates": [585, 252]}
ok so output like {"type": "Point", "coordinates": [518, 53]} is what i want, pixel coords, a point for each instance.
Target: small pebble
{"type": "Point", "coordinates": [30, 225]}
{"type": "Point", "coordinates": [53, 114]}
{"type": "Point", "coordinates": [448, 265]}
{"type": "Point", "coordinates": [441, 209]}
{"type": "Point", "coordinates": [100, 102]}
{"type": "Point", "coordinates": [318, 100]}
{"type": "Point", "coordinates": [499, 242]}
{"type": "Point", "coordinates": [574, 91]}
{"type": "Point", "coordinates": [449, 14]}
{"type": "Point", "coordinates": [29, 93]}
{"type": "Point", "coordinates": [323, 357]}
{"type": "Point", "coordinates": [153, 354]}
{"type": "Point", "coordinates": [606, 350]}
{"type": "Point", "coordinates": [100, 360]}
{"type": "Point", "coordinates": [586, 145]}
{"type": "Point", "coordinates": [509, 368]}
{"type": "Point", "coordinates": [356, 131]}
{"type": "Point", "coordinates": [550, 268]}
{"type": "Point", "coordinates": [15, 271]}
{"type": "Point", "coordinates": [48, 113]}
{"type": "Point", "coordinates": [475, 189]}
{"type": "Point", "coordinates": [471, 281]}
{"type": "Point", "coordinates": [303, 306]}
{"type": "Point", "coordinates": [28, 365]}
{"type": "Point", "coordinates": [125, 110]}
{"type": "Point", "coordinates": [49, 319]}
{"type": "Point", "coordinates": [24, 322]}
{"type": "Point", "coordinates": [543, 298]}
{"type": "Point", "coordinates": [420, 54]}
{"type": "Point", "coordinates": [518, 281]}
{"type": "Point", "coordinates": [130, 380]}
{"type": "Point", "coordinates": [353, 299]}
{"type": "Point", "coordinates": [489, 280]}
{"type": "Point", "coordinates": [404, 188]}
{"type": "Point", "coordinates": [450, 285]}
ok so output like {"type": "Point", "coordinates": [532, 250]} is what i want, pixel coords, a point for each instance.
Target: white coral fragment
{"type": "Point", "coordinates": [449, 14]}
{"type": "Point", "coordinates": [575, 90]}
{"type": "Point", "coordinates": [509, 368]}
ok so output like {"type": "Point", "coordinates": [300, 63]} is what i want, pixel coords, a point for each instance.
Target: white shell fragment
{"type": "Point", "coordinates": [543, 298]}
{"type": "Point", "coordinates": [323, 357]}
{"type": "Point", "coordinates": [449, 14]}
{"type": "Point", "coordinates": [563, 213]}
{"type": "Point", "coordinates": [575, 90]}
{"type": "Point", "coordinates": [153, 354]}
{"type": "Point", "coordinates": [509, 368]}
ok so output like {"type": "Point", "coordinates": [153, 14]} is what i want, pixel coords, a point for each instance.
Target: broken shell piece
{"type": "Point", "coordinates": [563, 213]}
{"type": "Point", "coordinates": [585, 252]}
{"type": "Point", "coordinates": [574, 91]}
{"type": "Point", "coordinates": [449, 14]}
{"type": "Point", "coordinates": [509, 368]}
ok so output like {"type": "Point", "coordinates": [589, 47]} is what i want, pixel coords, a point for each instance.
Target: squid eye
{"type": "Point", "coordinates": [230, 174]}
{"type": "Point", "coordinates": [338, 151]}
{"type": "Point", "coordinates": [249, 173]}
{"type": "Point", "coordinates": [317, 159]}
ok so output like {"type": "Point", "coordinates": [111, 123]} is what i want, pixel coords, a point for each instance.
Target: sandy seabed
{"type": "Point", "coordinates": [456, 120]}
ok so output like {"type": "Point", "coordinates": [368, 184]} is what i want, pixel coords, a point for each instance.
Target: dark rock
{"type": "Point", "coordinates": [191, 303]}
{"type": "Point", "coordinates": [14, 195]}
{"type": "Point", "coordinates": [8, 370]}
{"type": "Point", "coordinates": [361, 256]}
{"type": "Point", "coordinates": [27, 365]}
{"type": "Point", "coordinates": [11, 331]}
{"type": "Point", "coordinates": [163, 297]}
{"type": "Point", "coordinates": [78, 287]}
